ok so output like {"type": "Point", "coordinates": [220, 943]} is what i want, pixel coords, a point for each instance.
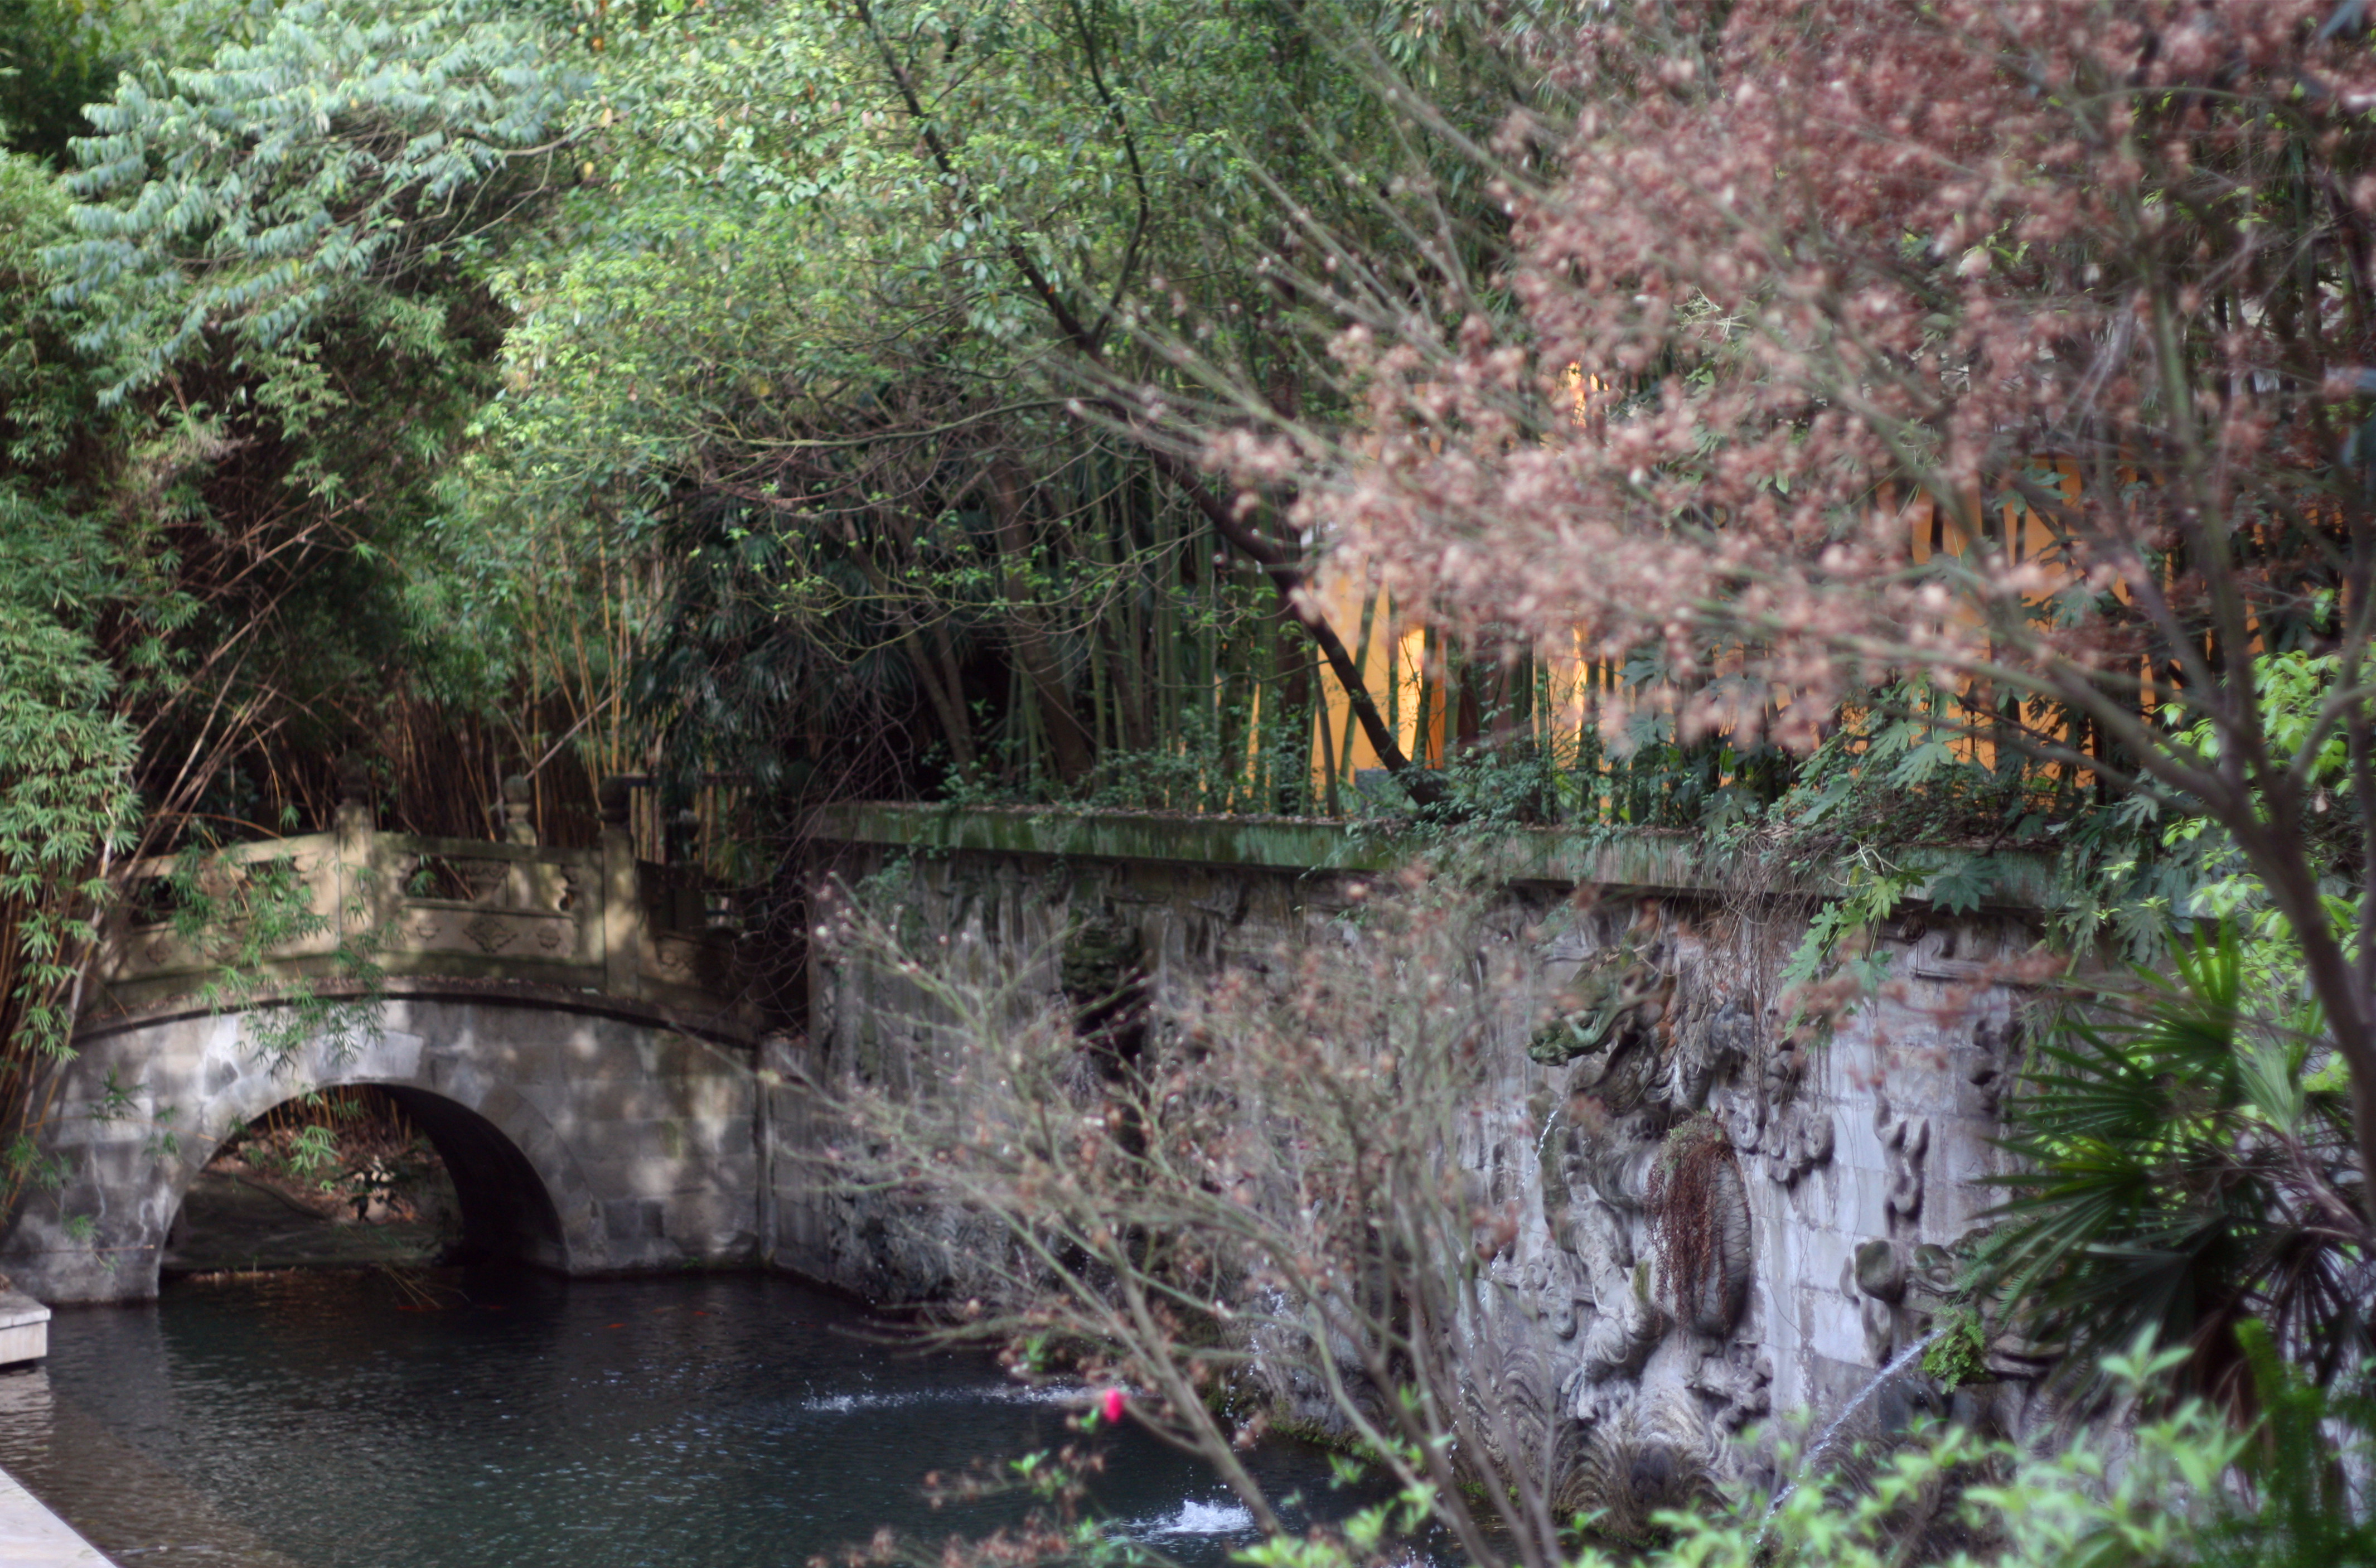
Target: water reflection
{"type": "Point", "coordinates": [340, 1421]}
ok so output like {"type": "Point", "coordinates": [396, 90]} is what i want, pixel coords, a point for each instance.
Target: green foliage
{"type": "Point", "coordinates": [2302, 1505]}
{"type": "Point", "coordinates": [66, 807]}
{"type": "Point", "coordinates": [243, 910]}
{"type": "Point", "coordinates": [2189, 1490]}
{"type": "Point", "coordinates": [55, 56]}
{"type": "Point", "coordinates": [115, 1100]}
{"type": "Point", "coordinates": [1908, 800]}
{"type": "Point", "coordinates": [67, 757]}
{"type": "Point", "coordinates": [826, 315]}
{"type": "Point", "coordinates": [164, 1142]}
{"type": "Point", "coordinates": [1957, 1351]}
{"type": "Point", "coordinates": [2295, 691]}
{"type": "Point", "coordinates": [253, 195]}
{"type": "Point", "coordinates": [2179, 1175]}
{"type": "Point", "coordinates": [27, 1165]}
{"type": "Point", "coordinates": [240, 347]}
{"type": "Point", "coordinates": [1838, 941]}
{"type": "Point", "coordinates": [313, 1151]}
{"type": "Point", "coordinates": [44, 389]}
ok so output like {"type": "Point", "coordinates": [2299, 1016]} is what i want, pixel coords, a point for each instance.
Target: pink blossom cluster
{"type": "Point", "coordinates": [1799, 299]}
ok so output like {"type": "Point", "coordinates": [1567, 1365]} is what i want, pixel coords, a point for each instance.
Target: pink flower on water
{"type": "Point", "coordinates": [1109, 1405]}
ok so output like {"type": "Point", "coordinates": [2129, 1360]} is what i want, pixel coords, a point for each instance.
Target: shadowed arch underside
{"type": "Point", "coordinates": [504, 1207]}
{"type": "Point", "coordinates": [578, 1139]}
{"type": "Point", "coordinates": [506, 1213]}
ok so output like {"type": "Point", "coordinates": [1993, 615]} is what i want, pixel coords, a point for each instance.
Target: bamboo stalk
{"type": "Point", "coordinates": [1423, 748]}
{"type": "Point", "coordinates": [1329, 802]}
{"type": "Point", "coordinates": [1361, 661]}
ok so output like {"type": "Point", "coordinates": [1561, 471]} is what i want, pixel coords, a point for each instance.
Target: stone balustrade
{"type": "Point", "coordinates": [432, 913]}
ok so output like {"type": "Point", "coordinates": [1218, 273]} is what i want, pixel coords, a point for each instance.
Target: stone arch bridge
{"type": "Point", "coordinates": [563, 1024]}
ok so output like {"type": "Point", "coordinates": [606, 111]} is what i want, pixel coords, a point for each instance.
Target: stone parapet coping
{"type": "Point", "coordinates": [727, 1024]}
{"type": "Point", "coordinates": [1630, 860]}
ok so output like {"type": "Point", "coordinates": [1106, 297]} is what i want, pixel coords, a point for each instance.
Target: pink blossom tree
{"type": "Point", "coordinates": [2016, 346]}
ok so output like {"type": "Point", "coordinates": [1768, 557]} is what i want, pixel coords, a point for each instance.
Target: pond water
{"type": "Point", "coordinates": [509, 1420]}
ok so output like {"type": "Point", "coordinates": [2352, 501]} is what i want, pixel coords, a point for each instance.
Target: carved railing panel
{"type": "Point", "coordinates": [581, 920]}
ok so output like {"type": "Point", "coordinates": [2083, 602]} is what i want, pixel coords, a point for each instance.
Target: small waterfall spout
{"type": "Point", "coordinates": [1809, 1467]}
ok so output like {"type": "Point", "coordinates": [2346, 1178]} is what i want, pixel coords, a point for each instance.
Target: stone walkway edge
{"type": "Point", "coordinates": [32, 1536]}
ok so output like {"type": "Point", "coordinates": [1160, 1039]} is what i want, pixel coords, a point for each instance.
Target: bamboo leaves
{"type": "Point", "coordinates": [67, 806]}
{"type": "Point", "coordinates": [244, 194]}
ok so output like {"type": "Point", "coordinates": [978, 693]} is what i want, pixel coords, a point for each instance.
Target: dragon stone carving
{"type": "Point", "coordinates": [1647, 1217]}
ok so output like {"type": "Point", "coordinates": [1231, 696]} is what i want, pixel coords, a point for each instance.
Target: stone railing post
{"type": "Point", "coordinates": [622, 909]}
{"type": "Point", "coordinates": [530, 884]}
{"type": "Point", "coordinates": [518, 811]}
{"type": "Point", "coordinates": [362, 901]}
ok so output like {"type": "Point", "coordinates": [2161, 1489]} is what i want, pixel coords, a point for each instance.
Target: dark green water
{"type": "Point", "coordinates": [325, 1420]}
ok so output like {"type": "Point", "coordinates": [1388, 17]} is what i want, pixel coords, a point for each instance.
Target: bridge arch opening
{"type": "Point", "coordinates": [365, 1193]}
{"type": "Point", "coordinates": [506, 1212]}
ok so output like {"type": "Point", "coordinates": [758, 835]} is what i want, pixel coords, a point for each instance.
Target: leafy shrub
{"type": "Point", "coordinates": [2180, 1174]}
{"type": "Point", "coordinates": [2179, 1487]}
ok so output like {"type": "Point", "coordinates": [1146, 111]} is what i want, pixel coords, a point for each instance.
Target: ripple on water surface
{"type": "Point", "coordinates": [335, 1421]}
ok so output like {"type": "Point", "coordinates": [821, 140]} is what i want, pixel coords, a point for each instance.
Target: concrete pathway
{"type": "Point", "coordinates": [32, 1536]}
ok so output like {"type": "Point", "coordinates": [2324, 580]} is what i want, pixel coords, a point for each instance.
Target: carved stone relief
{"type": "Point", "coordinates": [1996, 1044]}
{"type": "Point", "coordinates": [492, 935]}
{"type": "Point", "coordinates": [484, 879]}
{"type": "Point", "coordinates": [1700, 1228]}
{"type": "Point", "coordinates": [1900, 1291]}
{"type": "Point", "coordinates": [1610, 1006]}
{"type": "Point", "coordinates": [1631, 1343]}
{"type": "Point", "coordinates": [1641, 1163]}
{"type": "Point", "coordinates": [1738, 1378]}
{"type": "Point", "coordinates": [1881, 1270]}
{"type": "Point", "coordinates": [1799, 1139]}
{"type": "Point", "coordinates": [1658, 1453]}
{"type": "Point", "coordinates": [1907, 1139]}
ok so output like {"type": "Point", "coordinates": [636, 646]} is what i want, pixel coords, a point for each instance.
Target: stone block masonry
{"type": "Point", "coordinates": [563, 1024]}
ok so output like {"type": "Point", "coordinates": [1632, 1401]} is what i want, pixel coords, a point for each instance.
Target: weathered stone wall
{"type": "Point", "coordinates": [999, 910]}
{"type": "Point", "coordinates": [1843, 1174]}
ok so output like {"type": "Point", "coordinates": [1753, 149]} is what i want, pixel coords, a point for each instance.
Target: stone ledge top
{"type": "Point", "coordinates": [32, 1536]}
{"type": "Point", "coordinates": [1645, 860]}
{"type": "Point", "coordinates": [16, 1308]}
{"type": "Point", "coordinates": [579, 921]}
